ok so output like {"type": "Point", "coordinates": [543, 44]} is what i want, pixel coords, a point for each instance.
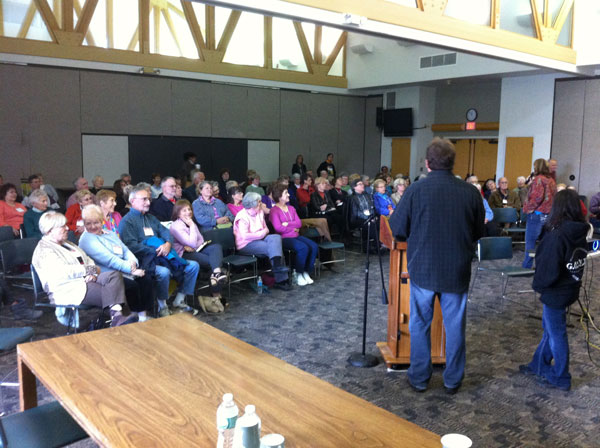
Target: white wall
{"type": "Point", "coordinates": [422, 101]}
{"type": "Point", "coordinates": [526, 108]}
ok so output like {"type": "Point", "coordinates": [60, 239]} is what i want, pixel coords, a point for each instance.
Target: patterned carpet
{"type": "Point", "coordinates": [316, 327]}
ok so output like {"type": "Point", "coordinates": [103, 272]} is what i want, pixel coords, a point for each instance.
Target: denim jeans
{"type": "Point", "coordinates": [553, 346]}
{"type": "Point", "coordinates": [163, 276]}
{"type": "Point", "coordinates": [535, 223]}
{"type": "Point", "coordinates": [306, 252]}
{"type": "Point", "coordinates": [454, 310]}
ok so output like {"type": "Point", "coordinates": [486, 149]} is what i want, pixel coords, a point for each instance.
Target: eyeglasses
{"type": "Point", "coordinates": [142, 199]}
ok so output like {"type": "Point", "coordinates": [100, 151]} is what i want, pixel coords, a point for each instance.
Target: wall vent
{"type": "Point", "coordinates": [438, 60]}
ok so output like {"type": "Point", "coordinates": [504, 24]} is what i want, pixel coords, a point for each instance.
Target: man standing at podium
{"type": "Point", "coordinates": [440, 217]}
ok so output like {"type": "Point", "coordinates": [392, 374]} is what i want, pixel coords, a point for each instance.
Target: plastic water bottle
{"type": "Point", "coordinates": [259, 285]}
{"type": "Point", "coordinates": [294, 277]}
{"type": "Point", "coordinates": [227, 414]}
{"type": "Point", "coordinates": [247, 429]}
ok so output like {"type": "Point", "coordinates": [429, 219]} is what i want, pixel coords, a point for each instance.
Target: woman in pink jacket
{"type": "Point", "coordinates": [286, 223]}
{"type": "Point", "coordinates": [252, 238]}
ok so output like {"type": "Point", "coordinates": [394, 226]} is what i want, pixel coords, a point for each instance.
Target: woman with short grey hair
{"type": "Point", "coordinates": [70, 277]}
{"type": "Point", "coordinates": [39, 201]}
{"type": "Point", "coordinates": [252, 237]}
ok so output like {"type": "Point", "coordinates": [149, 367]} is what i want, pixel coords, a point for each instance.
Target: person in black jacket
{"type": "Point", "coordinates": [560, 261]}
{"type": "Point", "coordinates": [299, 166]}
{"type": "Point", "coordinates": [328, 166]}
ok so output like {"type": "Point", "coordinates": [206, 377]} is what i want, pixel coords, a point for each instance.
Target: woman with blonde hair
{"type": "Point", "coordinates": [399, 187]}
{"type": "Point", "coordinates": [73, 214]}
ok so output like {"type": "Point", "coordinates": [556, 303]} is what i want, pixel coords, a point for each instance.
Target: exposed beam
{"type": "Point", "coordinates": [546, 13]}
{"type": "Point", "coordinates": [562, 15]}
{"type": "Point", "coordinates": [144, 26]}
{"type": "Point", "coordinates": [87, 12]}
{"type": "Point", "coordinates": [88, 34]}
{"type": "Point", "coordinates": [317, 42]}
{"type": "Point", "coordinates": [176, 10]}
{"type": "Point", "coordinates": [304, 46]}
{"type": "Point", "coordinates": [67, 15]}
{"type": "Point", "coordinates": [110, 34]}
{"type": "Point", "coordinates": [156, 11]}
{"type": "Point", "coordinates": [495, 14]}
{"type": "Point", "coordinates": [134, 39]}
{"type": "Point", "coordinates": [537, 19]}
{"type": "Point", "coordinates": [268, 33]}
{"type": "Point", "coordinates": [57, 11]}
{"type": "Point", "coordinates": [169, 21]}
{"type": "Point", "coordinates": [48, 17]}
{"type": "Point", "coordinates": [29, 15]}
{"type": "Point", "coordinates": [192, 20]}
{"type": "Point", "coordinates": [232, 22]}
{"type": "Point", "coordinates": [211, 40]}
{"type": "Point", "coordinates": [1, 20]}
{"type": "Point", "coordinates": [336, 50]}
{"type": "Point", "coordinates": [420, 5]}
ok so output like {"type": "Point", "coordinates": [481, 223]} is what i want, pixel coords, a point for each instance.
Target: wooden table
{"type": "Point", "coordinates": [159, 383]}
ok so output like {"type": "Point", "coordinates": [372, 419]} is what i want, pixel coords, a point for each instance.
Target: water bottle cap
{"type": "Point", "coordinates": [227, 397]}
{"type": "Point", "coordinates": [250, 409]}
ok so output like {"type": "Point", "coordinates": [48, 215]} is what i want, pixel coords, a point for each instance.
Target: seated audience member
{"type": "Point", "coordinates": [299, 167]}
{"type": "Point", "coordinates": [491, 228]}
{"type": "Point", "coordinates": [151, 243]}
{"type": "Point", "coordinates": [106, 199]}
{"type": "Point", "coordinates": [189, 163]}
{"type": "Point", "coordinates": [209, 211]}
{"type": "Point", "coordinates": [97, 184]}
{"type": "Point", "coordinates": [73, 215]}
{"type": "Point", "coordinates": [126, 177]}
{"type": "Point", "coordinates": [286, 223]}
{"type": "Point", "coordinates": [80, 184]}
{"type": "Point", "coordinates": [235, 205]}
{"type": "Point", "coordinates": [39, 204]}
{"type": "Point", "coordinates": [187, 239]}
{"type": "Point", "coordinates": [155, 188]}
{"type": "Point", "coordinates": [584, 210]}
{"type": "Point", "coordinates": [321, 205]}
{"type": "Point", "coordinates": [70, 277]}
{"type": "Point", "coordinates": [252, 238]}
{"type": "Point", "coordinates": [110, 254]}
{"type": "Point", "coordinates": [381, 201]}
{"type": "Point", "coordinates": [337, 194]}
{"type": "Point", "coordinates": [178, 192]}
{"type": "Point", "coordinates": [488, 188]}
{"type": "Point", "coordinates": [366, 180]}
{"type": "Point", "coordinates": [121, 205]}
{"type": "Point", "coordinates": [327, 166]}
{"type": "Point", "coordinates": [293, 187]}
{"type": "Point", "coordinates": [305, 191]}
{"type": "Point", "coordinates": [361, 210]}
{"type": "Point", "coordinates": [345, 183]}
{"type": "Point", "coordinates": [267, 200]}
{"type": "Point", "coordinates": [521, 189]}
{"type": "Point", "coordinates": [389, 188]}
{"type": "Point", "coordinates": [595, 210]}
{"type": "Point", "coordinates": [191, 193]}
{"type": "Point", "coordinates": [51, 192]}
{"type": "Point", "coordinates": [162, 207]}
{"type": "Point", "coordinates": [231, 183]}
{"type": "Point", "coordinates": [11, 211]}
{"type": "Point", "coordinates": [502, 197]}
{"type": "Point", "coordinates": [399, 187]}
{"type": "Point", "coordinates": [216, 191]}
{"type": "Point", "coordinates": [254, 184]}
{"type": "Point", "coordinates": [224, 175]}
{"type": "Point", "coordinates": [35, 183]}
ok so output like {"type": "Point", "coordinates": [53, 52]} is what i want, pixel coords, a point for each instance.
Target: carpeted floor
{"type": "Point", "coordinates": [316, 327]}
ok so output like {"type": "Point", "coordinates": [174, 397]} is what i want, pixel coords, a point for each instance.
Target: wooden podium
{"type": "Point", "coordinates": [397, 348]}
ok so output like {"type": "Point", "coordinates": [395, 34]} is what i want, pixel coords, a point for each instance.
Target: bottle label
{"type": "Point", "coordinates": [227, 423]}
{"type": "Point", "coordinates": [251, 436]}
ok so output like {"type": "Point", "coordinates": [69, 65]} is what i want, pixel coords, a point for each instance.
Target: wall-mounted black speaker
{"type": "Point", "coordinates": [379, 117]}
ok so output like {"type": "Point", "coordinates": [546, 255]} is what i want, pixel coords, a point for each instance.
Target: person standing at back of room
{"type": "Point", "coordinates": [328, 166]}
{"type": "Point", "coordinates": [441, 217]}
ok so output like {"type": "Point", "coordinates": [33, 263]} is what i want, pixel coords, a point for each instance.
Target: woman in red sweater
{"type": "Point", "coordinates": [73, 215]}
{"type": "Point", "coordinates": [11, 211]}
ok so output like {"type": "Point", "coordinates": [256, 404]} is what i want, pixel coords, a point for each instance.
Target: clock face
{"type": "Point", "coordinates": [472, 114]}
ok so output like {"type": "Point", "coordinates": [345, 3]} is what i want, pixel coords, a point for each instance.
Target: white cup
{"type": "Point", "coordinates": [197, 166]}
{"type": "Point", "coordinates": [456, 441]}
{"type": "Point", "coordinates": [272, 441]}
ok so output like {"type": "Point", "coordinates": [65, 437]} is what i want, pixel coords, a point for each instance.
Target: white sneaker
{"type": "Point", "coordinates": [309, 281]}
{"type": "Point", "coordinates": [301, 280]}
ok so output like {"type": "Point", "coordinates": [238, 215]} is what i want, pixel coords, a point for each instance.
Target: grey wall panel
{"type": "Point", "coordinates": [372, 146]}
{"type": "Point", "coordinates": [149, 105]}
{"type": "Point", "coordinates": [567, 128]}
{"type": "Point", "coordinates": [590, 151]}
{"type": "Point", "coordinates": [104, 103]}
{"type": "Point", "coordinates": [229, 111]}
{"type": "Point", "coordinates": [324, 117]}
{"type": "Point", "coordinates": [295, 125]}
{"type": "Point", "coordinates": [15, 123]}
{"type": "Point", "coordinates": [453, 101]}
{"type": "Point", "coordinates": [263, 113]}
{"type": "Point", "coordinates": [56, 133]}
{"type": "Point", "coordinates": [351, 135]}
{"type": "Point", "coordinates": [191, 101]}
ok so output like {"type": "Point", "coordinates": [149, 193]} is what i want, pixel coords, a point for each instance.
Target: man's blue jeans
{"type": "Point", "coordinates": [163, 276]}
{"type": "Point", "coordinates": [454, 310]}
{"type": "Point", "coordinates": [554, 345]}
{"type": "Point", "coordinates": [535, 223]}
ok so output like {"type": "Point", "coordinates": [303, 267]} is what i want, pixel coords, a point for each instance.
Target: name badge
{"type": "Point", "coordinates": [80, 223]}
{"type": "Point", "coordinates": [504, 201]}
{"type": "Point", "coordinates": [366, 212]}
{"type": "Point", "coordinates": [20, 210]}
{"type": "Point", "coordinates": [148, 231]}
{"type": "Point", "coordinates": [117, 250]}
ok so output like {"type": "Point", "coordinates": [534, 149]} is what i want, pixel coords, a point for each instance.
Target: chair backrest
{"type": "Point", "coordinates": [224, 237]}
{"type": "Point", "coordinates": [523, 218]}
{"type": "Point", "coordinates": [17, 252]}
{"type": "Point", "coordinates": [6, 233]}
{"type": "Point", "coordinates": [505, 215]}
{"type": "Point", "coordinates": [38, 289]}
{"type": "Point", "coordinates": [494, 248]}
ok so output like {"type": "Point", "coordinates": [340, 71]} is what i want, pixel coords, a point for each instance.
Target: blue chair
{"type": "Point", "coordinates": [45, 426]}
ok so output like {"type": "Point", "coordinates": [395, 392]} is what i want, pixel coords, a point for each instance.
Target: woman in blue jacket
{"type": "Point", "coordinates": [383, 203]}
{"type": "Point", "coordinates": [560, 262]}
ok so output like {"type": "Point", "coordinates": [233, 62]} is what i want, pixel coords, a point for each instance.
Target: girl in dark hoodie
{"type": "Point", "coordinates": [560, 261]}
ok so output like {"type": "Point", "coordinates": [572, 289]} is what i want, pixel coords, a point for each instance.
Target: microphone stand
{"type": "Point", "coordinates": [363, 359]}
